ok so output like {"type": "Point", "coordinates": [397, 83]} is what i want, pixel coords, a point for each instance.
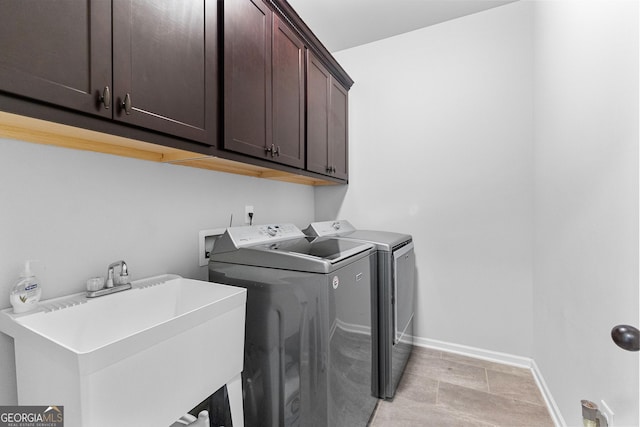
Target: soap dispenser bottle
{"type": "Point", "coordinates": [25, 294]}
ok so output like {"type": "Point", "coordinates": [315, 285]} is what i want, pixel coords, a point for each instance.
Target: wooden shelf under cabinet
{"type": "Point", "coordinates": [38, 131]}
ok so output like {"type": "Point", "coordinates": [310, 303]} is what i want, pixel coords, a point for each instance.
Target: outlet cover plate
{"type": "Point", "coordinates": [248, 209]}
{"type": "Point", "coordinates": [607, 412]}
{"type": "Point", "coordinates": [206, 241]}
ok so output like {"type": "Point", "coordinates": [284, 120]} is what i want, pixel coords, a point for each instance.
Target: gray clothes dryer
{"type": "Point", "coordinates": [310, 355]}
{"type": "Point", "coordinates": [395, 289]}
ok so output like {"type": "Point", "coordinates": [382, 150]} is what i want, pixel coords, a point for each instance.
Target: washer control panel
{"type": "Point", "coordinates": [259, 234]}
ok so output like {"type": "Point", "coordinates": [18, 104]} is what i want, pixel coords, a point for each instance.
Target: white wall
{"type": "Point", "coordinates": [586, 201]}
{"type": "Point", "coordinates": [440, 140]}
{"type": "Point", "coordinates": [478, 134]}
{"type": "Point", "coordinates": [79, 211]}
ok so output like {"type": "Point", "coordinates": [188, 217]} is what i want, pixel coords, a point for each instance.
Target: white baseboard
{"type": "Point", "coordinates": [478, 353]}
{"type": "Point", "coordinates": [498, 357]}
{"type": "Point", "coordinates": [546, 394]}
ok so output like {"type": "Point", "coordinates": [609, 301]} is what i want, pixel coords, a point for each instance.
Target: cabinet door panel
{"type": "Point", "coordinates": [338, 132]}
{"type": "Point", "coordinates": [247, 77]}
{"type": "Point", "coordinates": [57, 51]}
{"type": "Point", "coordinates": [318, 79]}
{"type": "Point", "coordinates": [162, 58]}
{"type": "Point", "coordinates": [288, 94]}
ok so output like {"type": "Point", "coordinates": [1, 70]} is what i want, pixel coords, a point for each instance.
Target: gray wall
{"type": "Point", "coordinates": [79, 211]}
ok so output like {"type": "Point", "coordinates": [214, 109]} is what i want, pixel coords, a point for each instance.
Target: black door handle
{"type": "Point", "coordinates": [626, 337]}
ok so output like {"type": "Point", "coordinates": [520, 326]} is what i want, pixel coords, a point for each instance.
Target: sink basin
{"type": "Point", "coordinates": [141, 357]}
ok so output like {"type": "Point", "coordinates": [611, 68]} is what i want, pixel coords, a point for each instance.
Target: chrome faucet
{"type": "Point", "coordinates": [115, 282]}
{"type": "Point", "coordinates": [121, 279]}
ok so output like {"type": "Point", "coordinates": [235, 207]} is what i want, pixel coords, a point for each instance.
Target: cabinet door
{"type": "Point", "coordinates": [338, 131]}
{"type": "Point", "coordinates": [288, 95]}
{"type": "Point", "coordinates": [318, 87]}
{"type": "Point", "coordinates": [57, 51]}
{"type": "Point", "coordinates": [164, 65]}
{"type": "Point", "coordinates": [247, 77]}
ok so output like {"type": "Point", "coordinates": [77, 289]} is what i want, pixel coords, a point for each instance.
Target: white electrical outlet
{"type": "Point", "coordinates": [606, 412]}
{"type": "Point", "coordinates": [248, 213]}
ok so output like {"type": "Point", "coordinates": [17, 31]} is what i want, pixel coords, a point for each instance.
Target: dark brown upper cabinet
{"type": "Point", "coordinates": [57, 51]}
{"type": "Point", "coordinates": [327, 119]}
{"type": "Point", "coordinates": [164, 59]}
{"type": "Point", "coordinates": [288, 97]}
{"type": "Point", "coordinates": [148, 71]}
{"type": "Point", "coordinates": [263, 84]}
{"type": "Point", "coordinates": [247, 76]}
{"type": "Point", "coordinates": [163, 56]}
{"type": "Point", "coordinates": [338, 153]}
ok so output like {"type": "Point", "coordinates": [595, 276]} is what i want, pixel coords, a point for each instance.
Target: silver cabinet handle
{"type": "Point", "coordinates": [126, 104]}
{"type": "Point", "coordinates": [105, 98]}
{"type": "Point", "coordinates": [274, 150]}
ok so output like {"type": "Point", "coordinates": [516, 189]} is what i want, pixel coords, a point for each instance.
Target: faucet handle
{"type": "Point", "coordinates": [109, 281]}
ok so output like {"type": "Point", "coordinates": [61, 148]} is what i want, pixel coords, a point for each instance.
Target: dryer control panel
{"type": "Point", "coordinates": [340, 227]}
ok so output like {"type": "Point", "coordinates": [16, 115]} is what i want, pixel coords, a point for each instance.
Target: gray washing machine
{"type": "Point", "coordinates": [395, 291]}
{"type": "Point", "coordinates": [310, 338]}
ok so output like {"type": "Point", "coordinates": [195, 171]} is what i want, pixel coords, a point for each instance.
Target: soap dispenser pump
{"type": "Point", "coordinates": [25, 294]}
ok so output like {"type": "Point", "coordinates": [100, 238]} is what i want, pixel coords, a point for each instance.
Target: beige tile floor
{"type": "Point", "coordinates": [443, 389]}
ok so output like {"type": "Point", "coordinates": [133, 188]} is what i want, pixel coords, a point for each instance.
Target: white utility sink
{"type": "Point", "coordinates": [142, 357]}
